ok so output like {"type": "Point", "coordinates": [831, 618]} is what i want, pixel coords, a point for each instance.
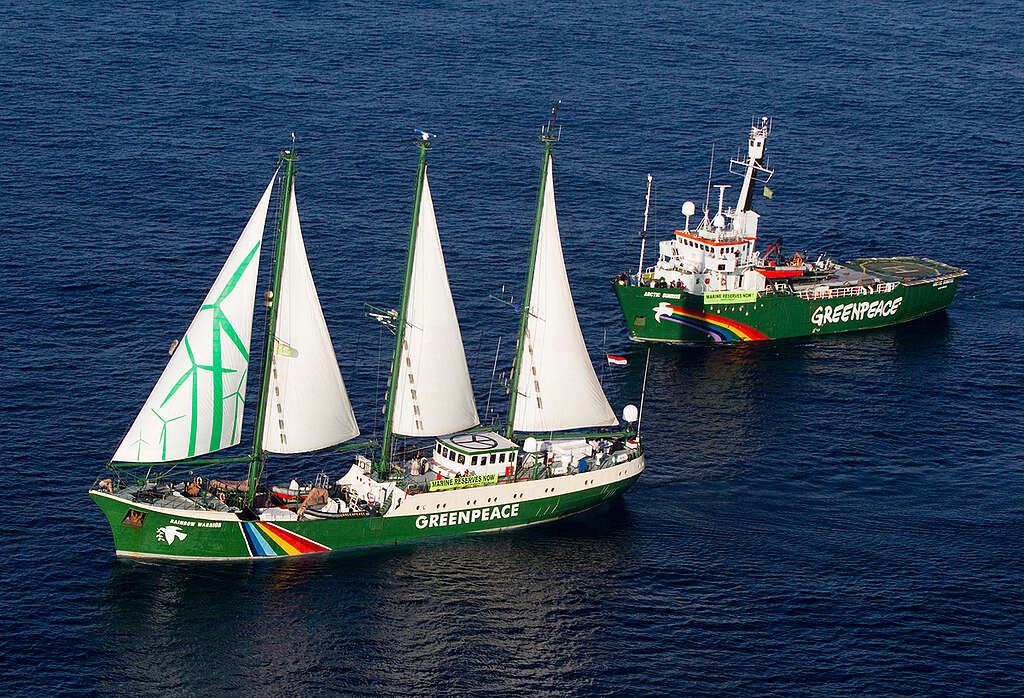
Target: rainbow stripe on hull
{"type": "Point", "coordinates": [267, 540]}
{"type": "Point", "coordinates": [718, 328]}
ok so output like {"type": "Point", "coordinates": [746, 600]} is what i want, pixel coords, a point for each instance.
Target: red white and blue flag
{"type": "Point", "coordinates": [617, 360]}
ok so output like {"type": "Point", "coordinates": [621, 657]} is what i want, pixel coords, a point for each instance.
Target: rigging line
{"type": "Point", "coordinates": [494, 369]}
{"type": "Point", "coordinates": [604, 364]}
{"type": "Point", "coordinates": [654, 209]}
{"type": "Point", "coordinates": [480, 335]}
{"type": "Point", "coordinates": [358, 368]}
{"type": "Point", "coordinates": [376, 384]}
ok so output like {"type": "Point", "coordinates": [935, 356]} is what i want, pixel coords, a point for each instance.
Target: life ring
{"type": "Point", "coordinates": [221, 495]}
{"type": "Point", "coordinates": [199, 480]}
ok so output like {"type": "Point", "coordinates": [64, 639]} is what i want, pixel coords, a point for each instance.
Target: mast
{"type": "Point", "coordinates": [548, 136]}
{"type": "Point", "coordinates": [258, 456]}
{"type": "Point", "coordinates": [423, 143]}
{"type": "Point", "coordinates": [643, 234]}
{"type": "Point", "coordinates": [754, 162]}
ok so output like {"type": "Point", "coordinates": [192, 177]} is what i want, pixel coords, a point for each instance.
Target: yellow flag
{"type": "Point", "coordinates": [284, 349]}
{"type": "Point", "coordinates": [768, 193]}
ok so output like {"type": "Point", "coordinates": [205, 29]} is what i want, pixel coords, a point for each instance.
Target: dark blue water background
{"type": "Point", "coordinates": [830, 516]}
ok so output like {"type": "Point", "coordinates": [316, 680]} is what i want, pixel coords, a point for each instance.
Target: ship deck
{"type": "Point", "coordinates": [903, 269]}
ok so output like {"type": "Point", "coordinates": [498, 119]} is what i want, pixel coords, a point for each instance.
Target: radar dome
{"type": "Point", "coordinates": [629, 413]}
{"type": "Point", "coordinates": [530, 445]}
{"type": "Point", "coordinates": [689, 209]}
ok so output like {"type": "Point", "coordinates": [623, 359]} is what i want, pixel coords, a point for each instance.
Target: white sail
{"type": "Point", "coordinates": [434, 395]}
{"type": "Point", "coordinates": [196, 406]}
{"type": "Point", "coordinates": [558, 388]}
{"type": "Point", "coordinates": [307, 405]}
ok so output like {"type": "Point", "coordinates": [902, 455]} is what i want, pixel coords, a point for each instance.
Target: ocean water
{"type": "Point", "coordinates": [830, 516]}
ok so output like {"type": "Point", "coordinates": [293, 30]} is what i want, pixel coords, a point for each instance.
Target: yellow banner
{"type": "Point", "coordinates": [729, 297]}
{"type": "Point", "coordinates": [468, 481]}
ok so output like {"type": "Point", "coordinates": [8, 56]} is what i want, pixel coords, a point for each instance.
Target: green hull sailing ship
{"type": "Point", "coordinates": [537, 469]}
{"type": "Point", "coordinates": [711, 285]}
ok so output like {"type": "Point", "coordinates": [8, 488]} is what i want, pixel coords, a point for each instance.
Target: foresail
{"type": "Point", "coordinates": [434, 395]}
{"type": "Point", "coordinates": [196, 406]}
{"type": "Point", "coordinates": [307, 405]}
{"type": "Point", "coordinates": [558, 388]}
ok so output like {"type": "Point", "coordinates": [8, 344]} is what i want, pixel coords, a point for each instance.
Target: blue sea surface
{"type": "Point", "coordinates": [827, 516]}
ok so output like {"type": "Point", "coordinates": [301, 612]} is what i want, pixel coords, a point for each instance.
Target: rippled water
{"type": "Point", "coordinates": [832, 516]}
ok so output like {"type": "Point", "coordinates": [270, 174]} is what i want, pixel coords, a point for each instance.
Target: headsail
{"type": "Point", "coordinates": [307, 405]}
{"type": "Point", "coordinates": [434, 394]}
{"type": "Point", "coordinates": [196, 406]}
{"type": "Point", "coordinates": [557, 386]}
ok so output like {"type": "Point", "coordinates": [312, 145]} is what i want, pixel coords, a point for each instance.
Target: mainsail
{"type": "Point", "coordinates": [307, 405]}
{"type": "Point", "coordinates": [196, 406]}
{"type": "Point", "coordinates": [434, 395]}
{"type": "Point", "coordinates": [557, 386]}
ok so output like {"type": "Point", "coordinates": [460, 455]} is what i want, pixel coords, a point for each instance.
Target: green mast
{"type": "Point", "coordinates": [549, 136]}
{"type": "Point", "coordinates": [387, 441]}
{"type": "Point", "coordinates": [258, 456]}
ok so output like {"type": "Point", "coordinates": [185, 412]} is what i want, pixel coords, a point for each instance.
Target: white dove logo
{"type": "Point", "coordinates": [169, 534]}
{"type": "Point", "coordinates": [663, 310]}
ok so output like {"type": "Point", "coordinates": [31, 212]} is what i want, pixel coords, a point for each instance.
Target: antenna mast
{"type": "Point", "coordinates": [643, 393]}
{"type": "Point", "coordinates": [707, 196]}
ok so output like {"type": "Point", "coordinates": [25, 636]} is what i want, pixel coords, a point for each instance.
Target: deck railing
{"type": "Point", "coordinates": [846, 291]}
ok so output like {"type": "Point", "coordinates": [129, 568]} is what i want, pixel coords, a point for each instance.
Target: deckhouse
{"type": "Point", "coordinates": [479, 453]}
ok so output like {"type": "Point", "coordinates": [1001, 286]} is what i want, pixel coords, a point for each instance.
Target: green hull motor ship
{"type": "Point", "coordinates": [466, 479]}
{"type": "Point", "coordinates": [710, 284]}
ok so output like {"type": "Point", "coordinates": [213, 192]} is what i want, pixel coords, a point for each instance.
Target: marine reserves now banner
{"type": "Point", "coordinates": [713, 297]}
{"type": "Point", "coordinates": [468, 481]}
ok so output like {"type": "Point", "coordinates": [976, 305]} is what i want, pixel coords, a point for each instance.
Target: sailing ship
{"type": "Point", "coordinates": [538, 468]}
{"type": "Point", "coordinates": [710, 284]}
